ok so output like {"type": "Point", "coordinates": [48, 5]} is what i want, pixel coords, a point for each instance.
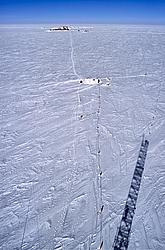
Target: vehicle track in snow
{"type": "Point", "coordinates": [97, 181]}
{"type": "Point", "coordinates": [25, 226]}
{"type": "Point", "coordinates": [152, 122]}
{"type": "Point", "coordinates": [72, 55]}
{"type": "Point", "coordinates": [130, 76]}
{"type": "Point", "coordinates": [99, 176]}
{"type": "Point", "coordinates": [78, 102]}
{"type": "Point", "coordinates": [78, 117]}
{"type": "Point", "coordinates": [78, 114]}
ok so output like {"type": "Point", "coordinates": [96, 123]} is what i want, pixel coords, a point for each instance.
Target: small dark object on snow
{"type": "Point", "coordinates": [102, 208]}
{"type": "Point", "coordinates": [101, 245]}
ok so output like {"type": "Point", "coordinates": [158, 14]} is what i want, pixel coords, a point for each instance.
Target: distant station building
{"type": "Point", "coordinates": [94, 81]}
{"type": "Point", "coordinates": [61, 28]}
{"type": "Point", "coordinates": [90, 81]}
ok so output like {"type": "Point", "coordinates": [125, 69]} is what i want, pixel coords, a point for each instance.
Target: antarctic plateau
{"type": "Point", "coordinates": [68, 150]}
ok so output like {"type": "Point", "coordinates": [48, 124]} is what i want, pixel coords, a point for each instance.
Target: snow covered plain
{"type": "Point", "coordinates": [58, 135]}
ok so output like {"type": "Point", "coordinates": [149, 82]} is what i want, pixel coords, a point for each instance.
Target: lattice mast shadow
{"type": "Point", "coordinates": [123, 233]}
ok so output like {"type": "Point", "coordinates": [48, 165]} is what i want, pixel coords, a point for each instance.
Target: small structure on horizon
{"type": "Point", "coordinates": [67, 28]}
{"type": "Point", "coordinates": [61, 28]}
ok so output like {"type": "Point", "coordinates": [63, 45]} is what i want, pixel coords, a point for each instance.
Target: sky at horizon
{"type": "Point", "coordinates": [83, 11]}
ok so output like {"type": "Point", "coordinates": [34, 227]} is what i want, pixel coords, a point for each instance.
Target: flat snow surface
{"type": "Point", "coordinates": [57, 135]}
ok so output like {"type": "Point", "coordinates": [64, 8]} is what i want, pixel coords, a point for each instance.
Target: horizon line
{"type": "Point", "coordinates": [96, 23]}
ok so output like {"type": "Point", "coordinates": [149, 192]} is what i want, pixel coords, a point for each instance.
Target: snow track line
{"type": "Point", "coordinates": [73, 66]}
{"type": "Point", "coordinates": [75, 108]}
{"type": "Point", "coordinates": [38, 232]}
{"type": "Point", "coordinates": [151, 123]}
{"type": "Point", "coordinates": [98, 187]}
{"type": "Point", "coordinates": [99, 176]}
{"type": "Point", "coordinates": [26, 219]}
{"type": "Point", "coordinates": [72, 55]}
{"type": "Point", "coordinates": [27, 214]}
{"type": "Point", "coordinates": [78, 102]}
{"type": "Point", "coordinates": [129, 76]}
